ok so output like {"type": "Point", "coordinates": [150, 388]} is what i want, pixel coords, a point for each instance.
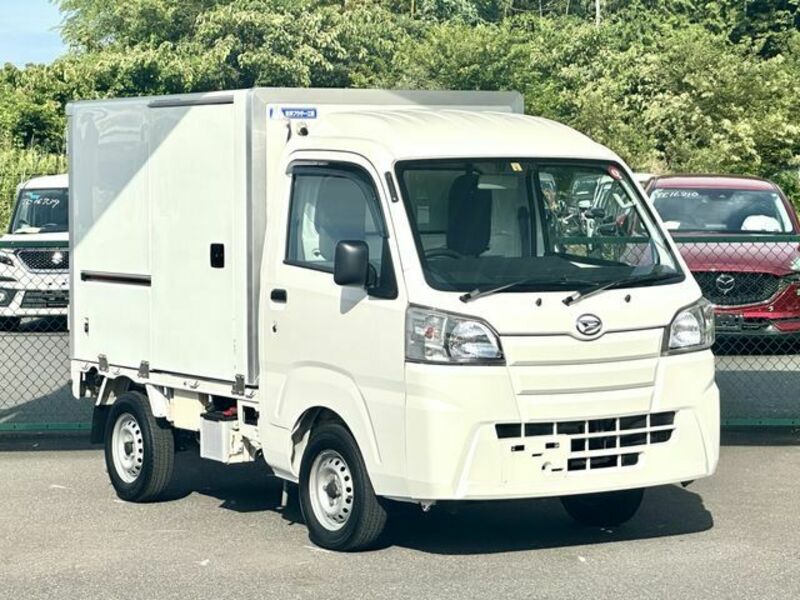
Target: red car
{"type": "Point", "coordinates": [749, 264]}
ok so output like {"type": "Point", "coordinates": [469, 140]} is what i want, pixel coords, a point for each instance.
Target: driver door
{"type": "Point", "coordinates": [328, 345]}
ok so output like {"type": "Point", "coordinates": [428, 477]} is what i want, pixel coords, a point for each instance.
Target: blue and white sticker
{"type": "Point", "coordinates": [299, 113]}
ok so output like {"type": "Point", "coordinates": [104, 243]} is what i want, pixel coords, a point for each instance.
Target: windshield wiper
{"type": "Point", "coordinates": [479, 293]}
{"type": "Point", "coordinates": [651, 277]}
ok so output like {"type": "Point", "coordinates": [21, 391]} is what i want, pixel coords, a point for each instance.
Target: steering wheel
{"type": "Point", "coordinates": [442, 253]}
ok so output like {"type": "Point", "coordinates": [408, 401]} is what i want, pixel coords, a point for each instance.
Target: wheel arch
{"type": "Point", "coordinates": [110, 389]}
{"type": "Point", "coordinates": [319, 414]}
{"type": "Point", "coordinates": [313, 390]}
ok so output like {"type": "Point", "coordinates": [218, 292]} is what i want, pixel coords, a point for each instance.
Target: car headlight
{"type": "Point", "coordinates": [691, 329]}
{"type": "Point", "coordinates": [435, 336]}
{"type": "Point", "coordinates": [5, 259]}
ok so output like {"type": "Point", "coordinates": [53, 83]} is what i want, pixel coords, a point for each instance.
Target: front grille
{"type": "Point", "coordinates": [45, 299]}
{"type": "Point", "coordinates": [45, 260]}
{"type": "Point", "coordinates": [733, 288]}
{"type": "Point", "coordinates": [600, 443]}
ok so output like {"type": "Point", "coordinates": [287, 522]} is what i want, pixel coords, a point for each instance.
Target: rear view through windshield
{"type": "Point", "coordinates": [41, 211]}
{"type": "Point", "coordinates": [561, 225]}
{"type": "Point", "coordinates": [722, 211]}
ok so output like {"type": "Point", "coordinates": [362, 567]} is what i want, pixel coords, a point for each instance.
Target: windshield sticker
{"type": "Point", "coordinates": [677, 193]}
{"type": "Point", "coordinates": [35, 200]}
{"type": "Point", "coordinates": [299, 113]}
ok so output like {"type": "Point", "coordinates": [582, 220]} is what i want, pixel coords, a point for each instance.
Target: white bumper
{"type": "Point", "coordinates": [36, 294]}
{"type": "Point", "coordinates": [454, 450]}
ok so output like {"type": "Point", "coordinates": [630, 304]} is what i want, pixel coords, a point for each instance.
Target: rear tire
{"type": "Point", "coordinates": [339, 505]}
{"type": "Point", "coordinates": [139, 451]}
{"type": "Point", "coordinates": [605, 509]}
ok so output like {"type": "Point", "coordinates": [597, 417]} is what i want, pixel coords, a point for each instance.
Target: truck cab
{"type": "Point", "coordinates": [34, 254]}
{"type": "Point", "coordinates": [384, 297]}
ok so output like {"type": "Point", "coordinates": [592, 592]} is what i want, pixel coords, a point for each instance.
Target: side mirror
{"type": "Point", "coordinates": [351, 263]}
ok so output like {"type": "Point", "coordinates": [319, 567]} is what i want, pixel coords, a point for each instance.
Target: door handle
{"type": "Point", "coordinates": [278, 295]}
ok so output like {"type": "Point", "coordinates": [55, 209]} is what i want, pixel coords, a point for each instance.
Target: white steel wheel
{"type": "Point", "coordinates": [127, 447]}
{"type": "Point", "coordinates": [331, 490]}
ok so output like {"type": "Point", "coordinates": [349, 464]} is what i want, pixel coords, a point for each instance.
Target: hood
{"type": "Point", "coordinates": [58, 238]}
{"type": "Point", "coordinates": [775, 258]}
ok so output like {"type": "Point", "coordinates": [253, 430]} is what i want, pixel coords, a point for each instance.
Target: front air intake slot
{"type": "Point", "coordinates": [600, 443]}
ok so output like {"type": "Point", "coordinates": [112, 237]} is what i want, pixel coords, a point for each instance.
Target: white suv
{"type": "Point", "coordinates": [34, 254]}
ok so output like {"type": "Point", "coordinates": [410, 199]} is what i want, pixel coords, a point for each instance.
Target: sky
{"type": "Point", "coordinates": [28, 32]}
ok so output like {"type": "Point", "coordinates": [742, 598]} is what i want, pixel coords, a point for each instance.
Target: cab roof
{"type": "Point", "coordinates": [47, 182]}
{"type": "Point", "coordinates": [714, 182]}
{"type": "Point", "coordinates": [445, 133]}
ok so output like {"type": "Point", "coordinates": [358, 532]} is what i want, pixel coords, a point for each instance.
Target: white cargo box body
{"type": "Point", "coordinates": [168, 209]}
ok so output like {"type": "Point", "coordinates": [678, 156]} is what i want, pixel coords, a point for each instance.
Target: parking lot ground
{"type": "Point", "coordinates": [64, 534]}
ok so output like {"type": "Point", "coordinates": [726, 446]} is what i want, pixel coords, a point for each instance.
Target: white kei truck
{"type": "Point", "coordinates": [34, 260]}
{"type": "Point", "coordinates": [383, 296]}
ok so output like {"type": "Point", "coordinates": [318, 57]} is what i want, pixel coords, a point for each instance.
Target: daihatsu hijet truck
{"type": "Point", "coordinates": [383, 297]}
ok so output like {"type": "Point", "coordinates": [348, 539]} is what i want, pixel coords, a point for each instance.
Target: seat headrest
{"type": "Point", "coordinates": [340, 214]}
{"type": "Point", "coordinates": [469, 215]}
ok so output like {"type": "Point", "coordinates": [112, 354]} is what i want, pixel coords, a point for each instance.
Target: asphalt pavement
{"type": "Point", "coordinates": [64, 534]}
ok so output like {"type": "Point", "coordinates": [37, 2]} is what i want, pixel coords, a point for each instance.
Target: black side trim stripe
{"type": "Point", "coordinates": [121, 278]}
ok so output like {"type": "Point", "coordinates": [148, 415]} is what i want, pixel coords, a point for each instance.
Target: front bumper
{"type": "Point", "coordinates": [455, 450]}
{"type": "Point", "coordinates": [39, 299]}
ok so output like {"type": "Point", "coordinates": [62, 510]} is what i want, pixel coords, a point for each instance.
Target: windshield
{"type": "Point", "coordinates": [722, 211]}
{"type": "Point", "coordinates": [40, 211]}
{"type": "Point", "coordinates": [479, 224]}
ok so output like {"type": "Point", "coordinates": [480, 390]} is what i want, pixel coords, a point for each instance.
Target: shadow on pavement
{"type": "Point", "coordinates": [508, 526]}
{"type": "Point", "coordinates": [452, 528]}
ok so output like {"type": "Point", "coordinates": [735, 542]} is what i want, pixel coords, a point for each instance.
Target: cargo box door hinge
{"type": "Point", "coordinates": [238, 386]}
{"type": "Point", "coordinates": [144, 370]}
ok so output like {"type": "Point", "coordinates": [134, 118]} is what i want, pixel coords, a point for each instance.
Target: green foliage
{"type": "Point", "coordinates": [685, 85]}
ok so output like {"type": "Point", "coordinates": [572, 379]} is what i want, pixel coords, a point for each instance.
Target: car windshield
{"type": "Point", "coordinates": [41, 211]}
{"type": "Point", "coordinates": [721, 210]}
{"type": "Point", "coordinates": [532, 225]}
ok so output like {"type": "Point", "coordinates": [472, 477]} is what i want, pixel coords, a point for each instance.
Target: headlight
{"type": "Point", "coordinates": [439, 337]}
{"type": "Point", "coordinates": [5, 259]}
{"type": "Point", "coordinates": [691, 329]}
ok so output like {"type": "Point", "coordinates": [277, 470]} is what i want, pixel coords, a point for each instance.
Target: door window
{"type": "Point", "coordinates": [334, 203]}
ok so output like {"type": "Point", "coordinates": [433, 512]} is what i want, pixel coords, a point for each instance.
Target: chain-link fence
{"type": "Point", "coordinates": [34, 342]}
{"type": "Point", "coordinates": [753, 280]}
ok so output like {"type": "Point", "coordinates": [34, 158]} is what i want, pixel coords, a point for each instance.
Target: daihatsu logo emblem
{"type": "Point", "coordinates": [589, 325]}
{"type": "Point", "coordinates": [58, 258]}
{"type": "Point", "coordinates": [725, 283]}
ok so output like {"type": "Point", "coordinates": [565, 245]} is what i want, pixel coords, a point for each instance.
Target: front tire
{"type": "Point", "coordinates": [139, 451]}
{"type": "Point", "coordinates": [339, 505]}
{"type": "Point", "coordinates": [605, 509]}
